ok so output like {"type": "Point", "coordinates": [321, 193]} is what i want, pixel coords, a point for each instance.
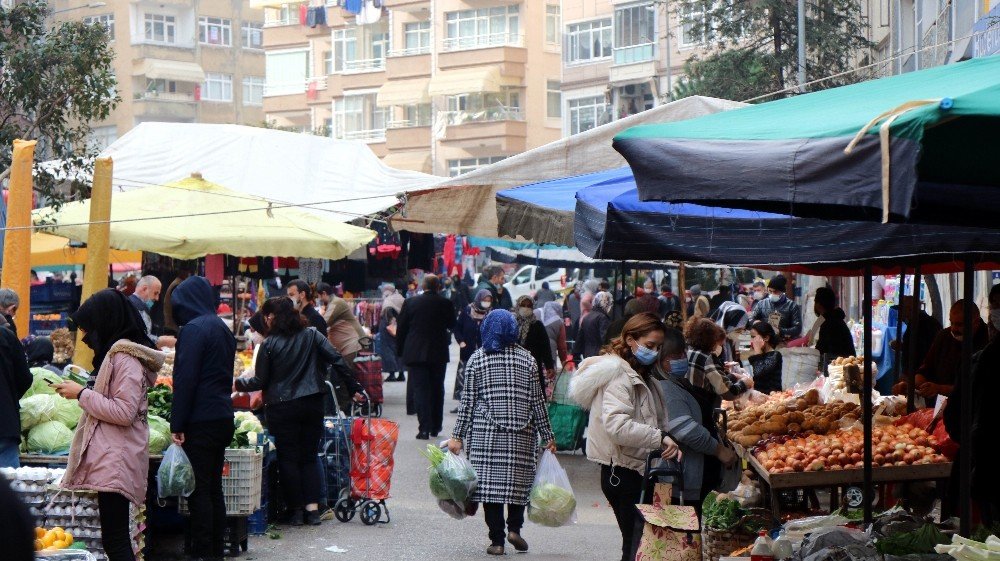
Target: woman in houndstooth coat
{"type": "Point", "coordinates": [500, 420]}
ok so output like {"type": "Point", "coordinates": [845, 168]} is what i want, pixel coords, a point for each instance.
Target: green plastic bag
{"type": "Point", "coordinates": [568, 422]}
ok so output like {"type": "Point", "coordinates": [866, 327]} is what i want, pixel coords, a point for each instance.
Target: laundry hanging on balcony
{"type": "Point", "coordinates": [370, 13]}
{"type": "Point", "coordinates": [315, 16]}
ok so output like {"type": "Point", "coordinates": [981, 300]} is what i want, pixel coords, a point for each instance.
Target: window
{"type": "Point", "coordinates": [418, 115]}
{"type": "Point", "coordinates": [253, 35]}
{"type": "Point", "coordinates": [107, 20]}
{"type": "Point", "coordinates": [160, 28]}
{"type": "Point", "coordinates": [357, 117]}
{"type": "Point", "coordinates": [102, 137]}
{"type": "Point", "coordinates": [359, 49]}
{"type": "Point", "coordinates": [160, 86]}
{"type": "Point", "coordinates": [589, 41]}
{"type": "Point", "coordinates": [286, 14]}
{"type": "Point", "coordinates": [417, 37]}
{"type": "Point", "coordinates": [635, 34]}
{"type": "Point", "coordinates": [328, 62]}
{"type": "Point", "coordinates": [694, 23]}
{"type": "Point", "coordinates": [485, 27]}
{"type": "Point", "coordinates": [586, 113]}
{"type": "Point", "coordinates": [553, 99]}
{"type": "Point", "coordinates": [465, 165]}
{"type": "Point", "coordinates": [480, 107]}
{"type": "Point", "coordinates": [552, 24]}
{"type": "Point", "coordinates": [215, 31]}
{"type": "Point", "coordinates": [286, 72]}
{"type": "Point", "coordinates": [253, 90]}
{"type": "Point", "coordinates": [218, 87]}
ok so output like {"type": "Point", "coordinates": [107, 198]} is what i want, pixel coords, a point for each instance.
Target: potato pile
{"type": "Point", "coordinates": [849, 361]}
{"type": "Point", "coordinates": [168, 364]}
{"type": "Point", "coordinates": [800, 415]}
{"type": "Point", "coordinates": [63, 345]}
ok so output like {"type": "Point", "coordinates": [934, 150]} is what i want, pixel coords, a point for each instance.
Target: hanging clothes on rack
{"type": "Point", "coordinates": [353, 6]}
{"type": "Point", "coordinates": [369, 13]}
{"type": "Point", "coordinates": [311, 270]}
{"type": "Point", "coordinates": [215, 269]}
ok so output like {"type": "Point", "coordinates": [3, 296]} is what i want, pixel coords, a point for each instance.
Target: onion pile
{"type": "Point", "coordinates": [891, 446]}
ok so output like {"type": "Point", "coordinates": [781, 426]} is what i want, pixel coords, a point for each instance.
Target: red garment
{"type": "Point", "coordinates": [215, 269]}
{"type": "Point", "coordinates": [303, 13]}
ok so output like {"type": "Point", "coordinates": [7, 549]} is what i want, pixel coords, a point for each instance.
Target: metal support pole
{"type": "Point", "coordinates": [897, 367]}
{"type": "Point", "coordinates": [802, 46]}
{"type": "Point", "coordinates": [965, 399]}
{"type": "Point", "coordinates": [913, 332]}
{"type": "Point", "coordinates": [868, 490]}
{"type": "Point", "coordinates": [681, 290]}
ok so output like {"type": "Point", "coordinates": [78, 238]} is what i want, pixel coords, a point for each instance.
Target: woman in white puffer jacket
{"type": "Point", "coordinates": [627, 418]}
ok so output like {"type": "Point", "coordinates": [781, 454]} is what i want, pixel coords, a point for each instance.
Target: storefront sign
{"type": "Point", "coordinates": [986, 34]}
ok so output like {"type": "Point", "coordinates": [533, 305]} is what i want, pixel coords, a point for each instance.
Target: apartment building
{"type": "Point", "coordinates": [194, 61]}
{"type": "Point", "coordinates": [439, 86]}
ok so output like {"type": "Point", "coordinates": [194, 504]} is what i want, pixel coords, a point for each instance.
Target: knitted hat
{"type": "Point", "coordinates": [778, 283]}
{"type": "Point", "coordinates": [696, 290]}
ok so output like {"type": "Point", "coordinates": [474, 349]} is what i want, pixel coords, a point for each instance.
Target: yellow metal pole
{"type": "Point", "coordinates": [17, 243]}
{"type": "Point", "coordinates": [95, 277]}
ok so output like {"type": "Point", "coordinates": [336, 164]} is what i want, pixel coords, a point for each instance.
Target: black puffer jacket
{"type": "Point", "coordinates": [292, 366]}
{"type": "Point", "coordinates": [15, 379]}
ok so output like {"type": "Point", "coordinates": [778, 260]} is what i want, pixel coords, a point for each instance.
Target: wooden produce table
{"type": "Point", "coordinates": [43, 460]}
{"type": "Point", "coordinates": [836, 479]}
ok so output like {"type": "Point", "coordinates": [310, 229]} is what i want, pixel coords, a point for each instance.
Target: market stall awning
{"type": "Point", "coordinates": [467, 204]}
{"type": "Point", "coordinates": [159, 69]}
{"type": "Point", "coordinates": [192, 218]}
{"type": "Point", "coordinates": [403, 92]}
{"type": "Point", "coordinates": [612, 223]}
{"type": "Point", "coordinates": [920, 145]}
{"type": "Point", "coordinates": [480, 79]}
{"type": "Point", "coordinates": [48, 250]}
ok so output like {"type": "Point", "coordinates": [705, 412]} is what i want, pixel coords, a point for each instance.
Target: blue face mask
{"type": "Point", "coordinates": [644, 355]}
{"type": "Point", "coordinates": [679, 367]}
{"type": "Point", "coordinates": [149, 304]}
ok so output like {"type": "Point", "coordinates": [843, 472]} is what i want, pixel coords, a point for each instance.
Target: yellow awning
{"type": "Point", "coordinates": [481, 79]}
{"type": "Point", "coordinates": [192, 218]}
{"type": "Point", "coordinates": [48, 251]}
{"type": "Point", "coordinates": [403, 92]}
{"type": "Point", "coordinates": [413, 161]}
{"type": "Point", "coordinates": [159, 69]}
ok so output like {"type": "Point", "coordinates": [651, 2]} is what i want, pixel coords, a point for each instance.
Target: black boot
{"type": "Point", "coordinates": [402, 377]}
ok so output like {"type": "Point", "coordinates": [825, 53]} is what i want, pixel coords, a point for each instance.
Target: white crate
{"type": "Point", "coordinates": [242, 475]}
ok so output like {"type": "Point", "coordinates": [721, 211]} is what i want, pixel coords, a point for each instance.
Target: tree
{"type": "Point", "coordinates": [753, 45]}
{"type": "Point", "coordinates": [55, 82]}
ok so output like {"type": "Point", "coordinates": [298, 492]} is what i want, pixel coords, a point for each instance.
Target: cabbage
{"type": "Point", "coordinates": [245, 422]}
{"type": "Point", "coordinates": [550, 505]}
{"type": "Point", "coordinates": [37, 409]}
{"type": "Point", "coordinates": [67, 412]}
{"type": "Point", "coordinates": [159, 435]}
{"type": "Point", "coordinates": [51, 437]}
{"type": "Point", "coordinates": [41, 378]}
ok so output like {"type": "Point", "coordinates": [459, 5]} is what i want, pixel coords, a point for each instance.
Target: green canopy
{"type": "Point", "coordinates": [917, 147]}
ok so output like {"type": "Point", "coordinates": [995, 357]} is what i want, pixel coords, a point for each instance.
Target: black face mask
{"type": "Point", "coordinates": [91, 340]}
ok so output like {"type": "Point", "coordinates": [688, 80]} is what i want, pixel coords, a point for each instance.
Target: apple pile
{"type": "Point", "coordinates": [891, 446]}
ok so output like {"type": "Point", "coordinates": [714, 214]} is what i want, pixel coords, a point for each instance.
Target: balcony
{"type": "Point", "coordinates": [306, 86]}
{"type": "Point", "coordinates": [455, 118]}
{"type": "Point", "coordinates": [644, 52]}
{"type": "Point", "coordinates": [406, 135]}
{"type": "Point", "coordinates": [365, 65]}
{"type": "Point", "coordinates": [371, 135]}
{"type": "Point", "coordinates": [510, 60]}
{"type": "Point", "coordinates": [165, 106]}
{"type": "Point", "coordinates": [482, 42]}
{"type": "Point", "coordinates": [406, 66]}
{"type": "Point", "coordinates": [407, 5]}
{"type": "Point", "coordinates": [504, 130]}
{"type": "Point", "coordinates": [168, 51]}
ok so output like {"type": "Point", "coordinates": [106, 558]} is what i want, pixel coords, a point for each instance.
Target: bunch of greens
{"type": "Point", "coordinates": [160, 400]}
{"type": "Point", "coordinates": [451, 476]}
{"type": "Point", "coordinates": [921, 540]}
{"type": "Point", "coordinates": [175, 478]}
{"type": "Point", "coordinates": [721, 514]}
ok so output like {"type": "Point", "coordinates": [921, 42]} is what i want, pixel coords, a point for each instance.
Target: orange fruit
{"type": "Point", "coordinates": [39, 545]}
{"type": "Point", "coordinates": [39, 533]}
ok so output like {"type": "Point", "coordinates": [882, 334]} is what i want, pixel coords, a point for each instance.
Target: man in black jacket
{"type": "Point", "coordinates": [302, 297]}
{"type": "Point", "coordinates": [15, 379]}
{"type": "Point", "coordinates": [201, 417]}
{"type": "Point", "coordinates": [422, 340]}
{"type": "Point", "coordinates": [835, 339]}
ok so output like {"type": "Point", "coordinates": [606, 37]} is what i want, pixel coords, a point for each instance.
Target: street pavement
{"type": "Point", "coordinates": [420, 531]}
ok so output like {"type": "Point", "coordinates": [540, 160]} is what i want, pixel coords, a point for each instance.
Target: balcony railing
{"type": "Point", "coordinates": [408, 123]}
{"type": "Point", "coordinates": [483, 116]}
{"type": "Point", "coordinates": [414, 51]}
{"type": "Point", "coordinates": [290, 19]}
{"type": "Point", "coordinates": [289, 88]}
{"type": "Point", "coordinates": [635, 53]}
{"type": "Point", "coordinates": [164, 96]}
{"type": "Point", "coordinates": [365, 65]}
{"type": "Point", "coordinates": [371, 135]}
{"type": "Point", "coordinates": [483, 41]}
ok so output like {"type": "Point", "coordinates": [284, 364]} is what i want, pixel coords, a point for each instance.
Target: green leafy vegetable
{"type": "Point", "coordinates": [175, 478]}
{"type": "Point", "coordinates": [40, 380]}
{"type": "Point", "coordinates": [721, 514]}
{"type": "Point", "coordinates": [245, 422]}
{"type": "Point", "coordinates": [921, 540]}
{"type": "Point", "coordinates": [161, 399]}
{"type": "Point", "coordinates": [550, 505]}
{"type": "Point", "coordinates": [51, 437]}
{"type": "Point", "coordinates": [37, 409]}
{"type": "Point", "coordinates": [67, 412]}
{"type": "Point", "coordinates": [159, 435]}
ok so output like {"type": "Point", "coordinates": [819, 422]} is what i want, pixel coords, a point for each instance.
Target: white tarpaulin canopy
{"type": "Point", "coordinates": [467, 204]}
{"type": "Point", "coordinates": [344, 178]}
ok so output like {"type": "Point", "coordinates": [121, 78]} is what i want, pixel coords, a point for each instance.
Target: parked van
{"type": "Point", "coordinates": [529, 278]}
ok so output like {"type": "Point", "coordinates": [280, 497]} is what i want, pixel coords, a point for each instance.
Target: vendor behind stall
{"type": "Point", "coordinates": [835, 339]}
{"type": "Point", "coordinates": [940, 369]}
{"type": "Point", "coordinates": [779, 310]}
{"type": "Point", "coordinates": [926, 329]}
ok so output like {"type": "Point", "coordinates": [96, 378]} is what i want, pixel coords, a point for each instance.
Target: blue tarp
{"type": "Point", "coordinates": [610, 222]}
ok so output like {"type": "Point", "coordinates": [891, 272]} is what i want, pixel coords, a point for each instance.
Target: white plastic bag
{"type": "Point", "coordinates": [175, 478]}
{"type": "Point", "coordinates": [551, 502]}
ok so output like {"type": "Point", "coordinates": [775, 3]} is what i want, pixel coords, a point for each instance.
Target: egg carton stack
{"type": "Point", "coordinates": [78, 514]}
{"type": "Point", "coordinates": [31, 486]}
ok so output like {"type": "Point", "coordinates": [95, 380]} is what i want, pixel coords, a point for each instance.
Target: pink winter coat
{"type": "Point", "coordinates": [110, 448]}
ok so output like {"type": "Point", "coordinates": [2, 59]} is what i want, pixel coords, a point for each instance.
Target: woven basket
{"type": "Point", "coordinates": [721, 543]}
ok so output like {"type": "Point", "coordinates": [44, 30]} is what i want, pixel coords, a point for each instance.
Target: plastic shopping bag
{"type": "Point", "coordinates": [452, 480]}
{"type": "Point", "coordinates": [551, 502]}
{"type": "Point", "coordinates": [175, 478]}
